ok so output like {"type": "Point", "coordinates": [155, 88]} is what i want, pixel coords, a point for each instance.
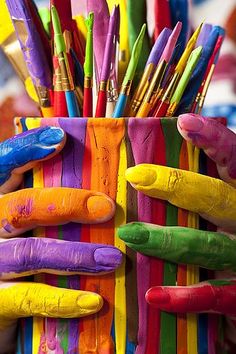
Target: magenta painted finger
{"type": "Point", "coordinates": [34, 255]}
{"type": "Point", "coordinates": [217, 296]}
{"type": "Point", "coordinates": [218, 142]}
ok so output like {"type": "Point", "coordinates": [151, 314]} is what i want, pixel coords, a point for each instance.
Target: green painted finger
{"type": "Point", "coordinates": [211, 250]}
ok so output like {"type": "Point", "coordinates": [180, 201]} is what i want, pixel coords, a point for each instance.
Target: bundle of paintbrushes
{"type": "Point", "coordinates": [72, 68]}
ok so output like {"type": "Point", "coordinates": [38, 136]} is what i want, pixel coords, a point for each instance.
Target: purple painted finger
{"type": "Point", "coordinates": [20, 257]}
{"type": "Point", "coordinates": [218, 142]}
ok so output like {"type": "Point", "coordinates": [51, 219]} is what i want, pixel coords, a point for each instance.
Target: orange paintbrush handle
{"type": "Point", "coordinates": [47, 112]}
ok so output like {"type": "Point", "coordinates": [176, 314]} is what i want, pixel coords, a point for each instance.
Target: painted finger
{"type": "Point", "coordinates": [28, 208]}
{"type": "Point", "coordinates": [23, 151]}
{"type": "Point", "coordinates": [206, 249]}
{"type": "Point", "coordinates": [218, 142]}
{"type": "Point", "coordinates": [22, 257]}
{"type": "Point", "coordinates": [217, 296]}
{"type": "Point", "coordinates": [34, 299]}
{"type": "Point", "coordinates": [212, 198]}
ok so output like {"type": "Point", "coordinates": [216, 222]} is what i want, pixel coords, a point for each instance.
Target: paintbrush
{"type": "Point", "coordinates": [165, 60]}
{"type": "Point", "coordinates": [106, 65]}
{"type": "Point", "coordinates": [88, 68]}
{"type": "Point", "coordinates": [100, 30]}
{"type": "Point", "coordinates": [190, 66]}
{"type": "Point", "coordinates": [67, 82]}
{"type": "Point", "coordinates": [129, 76]}
{"type": "Point", "coordinates": [151, 95]}
{"type": "Point", "coordinates": [198, 74]}
{"type": "Point", "coordinates": [210, 71]}
{"type": "Point", "coordinates": [33, 52]}
{"type": "Point", "coordinates": [151, 64]}
{"type": "Point", "coordinates": [11, 47]}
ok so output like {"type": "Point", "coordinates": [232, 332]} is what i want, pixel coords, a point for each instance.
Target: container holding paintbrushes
{"type": "Point", "coordinates": [96, 156]}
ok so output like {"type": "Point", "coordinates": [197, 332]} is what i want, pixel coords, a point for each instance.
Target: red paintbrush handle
{"type": "Point", "coordinates": [88, 102]}
{"type": "Point", "coordinates": [161, 109]}
{"type": "Point", "coordinates": [60, 106]}
{"type": "Point", "coordinates": [218, 296]}
{"type": "Point", "coordinates": [101, 104]}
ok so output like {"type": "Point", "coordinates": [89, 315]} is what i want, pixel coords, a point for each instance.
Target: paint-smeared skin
{"type": "Point", "coordinates": [28, 256]}
{"type": "Point", "coordinates": [206, 249]}
{"type": "Point", "coordinates": [25, 209]}
{"type": "Point", "coordinates": [218, 142]}
{"type": "Point", "coordinates": [32, 299]}
{"type": "Point", "coordinates": [21, 152]}
{"type": "Point", "coordinates": [217, 296]}
{"type": "Point", "coordinates": [214, 199]}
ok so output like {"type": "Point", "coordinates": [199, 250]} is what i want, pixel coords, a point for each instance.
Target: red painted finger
{"type": "Point", "coordinates": [217, 296]}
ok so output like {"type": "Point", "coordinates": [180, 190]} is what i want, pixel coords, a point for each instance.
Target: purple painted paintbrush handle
{"type": "Point", "coordinates": [159, 46]}
{"type": "Point", "coordinates": [30, 42]}
{"type": "Point", "coordinates": [107, 59]}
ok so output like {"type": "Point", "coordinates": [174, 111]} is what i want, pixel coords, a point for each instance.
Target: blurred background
{"type": "Point", "coordinates": [221, 97]}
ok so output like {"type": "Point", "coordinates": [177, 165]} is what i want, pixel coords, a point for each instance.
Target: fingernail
{"type": "Point", "coordinates": [51, 136]}
{"type": "Point", "coordinates": [108, 256]}
{"type": "Point", "coordinates": [190, 122]}
{"type": "Point", "coordinates": [157, 296]}
{"type": "Point", "coordinates": [134, 233]}
{"type": "Point", "coordinates": [141, 175]}
{"type": "Point", "coordinates": [90, 301]}
{"type": "Point", "coordinates": [100, 207]}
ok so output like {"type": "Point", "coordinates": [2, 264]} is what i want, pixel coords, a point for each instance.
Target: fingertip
{"type": "Point", "coordinates": [190, 122]}
{"type": "Point", "coordinates": [157, 297]}
{"type": "Point", "coordinates": [101, 208]}
{"type": "Point", "coordinates": [140, 175]}
{"type": "Point", "coordinates": [108, 257]}
{"type": "Point", "coordinates": [134, 233]}
{"type": "Point", "coordinates": [89, 303]}
{"type": "Point", "coordinates": [50, 136]}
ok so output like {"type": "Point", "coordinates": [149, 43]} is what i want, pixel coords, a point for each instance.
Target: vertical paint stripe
{"type": "Point", "coordinates": [157, 265]}
{"type": "Point", "coordinates": [173, 142]}
{"type": "Point", "coordinates": [72, 161]}
{"type": "Point", "coordinates": [38, 335]}
{"type": "Point", "coordinates": [131, 266]}
{"type": "Point", "coordinates": [143, 136]}
{"type": "Point", "coordinates": [192, 271]}
{"type": "Point", "coordinates": [182, 269]}
{"type": "Point", "coordinates": [52, 170]}
{"type": "Point", "coordinates": [120, 291]}
{"type": "Point", "coordinates": [105, 138]}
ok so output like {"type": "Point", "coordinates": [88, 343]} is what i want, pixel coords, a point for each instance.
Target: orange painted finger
{"type": "Point", "coordinates": [28, 208]}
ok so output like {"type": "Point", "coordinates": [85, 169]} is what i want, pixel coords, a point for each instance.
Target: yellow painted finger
{"type": "Point", "coordinates": [41, 300]}
{"type": "Point", "coordinates": [212, 198]}
{"type": "Point", "coordinates": [28, 208]}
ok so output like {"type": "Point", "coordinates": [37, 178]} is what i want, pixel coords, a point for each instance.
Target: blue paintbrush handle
{"type": "Point", "coordinates": [120, 106]}
{"type": "Point", "coordinates": [72, 105]}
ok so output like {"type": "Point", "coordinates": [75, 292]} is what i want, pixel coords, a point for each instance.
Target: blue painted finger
{"type": "Point", "coordinates": [23, 151]}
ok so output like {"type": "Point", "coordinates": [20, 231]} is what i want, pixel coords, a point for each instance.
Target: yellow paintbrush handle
{"type": "Point", "coordinates": [144, 110]}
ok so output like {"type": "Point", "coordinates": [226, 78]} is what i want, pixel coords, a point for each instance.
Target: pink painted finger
{"type": "Point", "coordinates": [217, 296]}
{"type": "Point", "coordinates": [218, 142]}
